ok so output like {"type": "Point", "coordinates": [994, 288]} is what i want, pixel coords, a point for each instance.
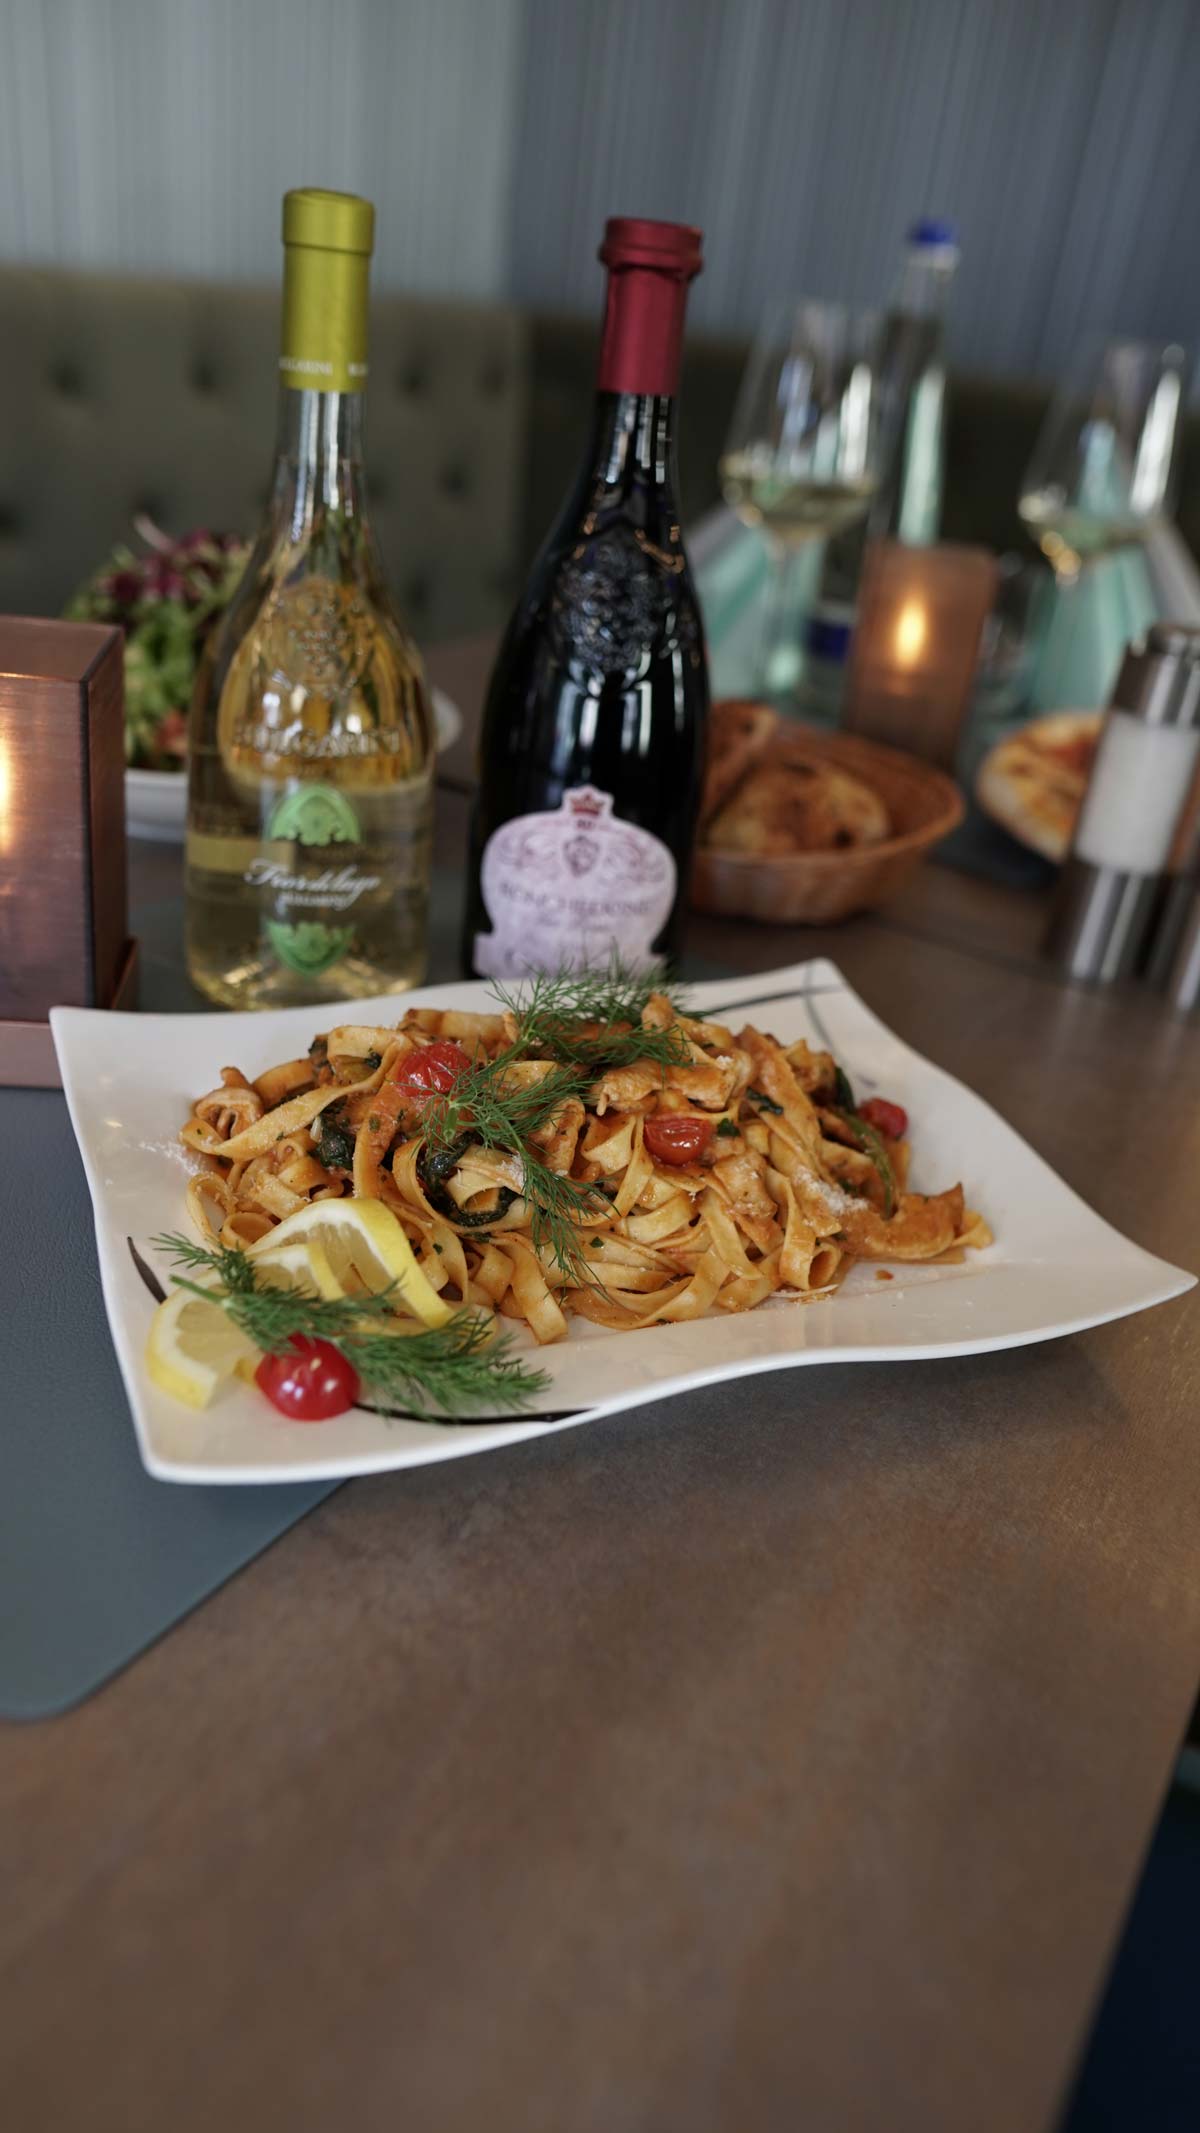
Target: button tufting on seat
{"type": "Point", "coordinates": [377, 489]}
{"type": "Point", "coordinates": [413, 380]}
{"type": "Point", "coordinates": [67, 379]}
{"type": "Point", "coordinates": [492, 379]}
{"type": "Point", "coordinates": [10, 522]}
{"type": "Point", "coordinates": [416, 595]}
{"type": "Point", "coordinates": [455, 480]}
{"type": "Point", "coordinates": [204, 376]}
{"type": "Point", "coordinates": [149, 507]}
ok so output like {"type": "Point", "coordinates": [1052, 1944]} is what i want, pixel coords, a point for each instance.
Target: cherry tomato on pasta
{"type": "Point", "coordinates": [311, 1381]}
{"type": "Point", "coordinates": [432, 1071]}
{"type": "Point", "coordinates": [677, 1137]}
{"type": "Point", "coordinates": [886, 1117]}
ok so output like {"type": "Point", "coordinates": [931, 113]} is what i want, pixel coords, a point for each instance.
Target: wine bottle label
{"type": "Point", "coordinates": [565, 890]}
{"type": "Point", "coordinates": [305, 920]}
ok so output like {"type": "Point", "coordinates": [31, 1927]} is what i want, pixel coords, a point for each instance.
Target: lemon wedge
{"type": "Point", "coordinates": [354, 1248]}
{"type": "Point", "coordinates": [285, 1266]}
{"type": "Point", "coordinates": [193, 1346]}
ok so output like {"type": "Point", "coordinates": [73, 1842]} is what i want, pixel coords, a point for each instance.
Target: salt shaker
{"type": "Point", "coordinates": [1137, 797]}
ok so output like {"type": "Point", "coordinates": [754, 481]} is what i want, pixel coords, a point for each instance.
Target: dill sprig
{"type": "Point", "coordinates": [487, 1107]}
{"type": "Point", "coordinates": [442, 1373]}
{"type": "Point", "coordinates": [584, 1021]}
{"type": "Point", "coordinates": [443, 1364]}
{"type": "Point", "coordinates": [610, 993]}
{"type": "Point", "coordinates": [592, 1019]}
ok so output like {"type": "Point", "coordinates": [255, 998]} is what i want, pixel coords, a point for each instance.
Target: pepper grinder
{"type": "Point", "coordinates": [1133, 810]}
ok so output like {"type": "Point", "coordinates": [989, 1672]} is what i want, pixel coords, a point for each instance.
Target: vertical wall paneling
{"type": "Point", "coordinates": [805, 134]}
{"type": "Point", "coordinates": [496, 135]}
{"type": "Point", "coordinates": [158, 135]}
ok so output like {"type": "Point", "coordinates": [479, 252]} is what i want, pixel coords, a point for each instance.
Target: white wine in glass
{"type": "Point", "coordinates": [1103, 468]}
{"type": "Point", "coordinates": [803, 456]}
{"type": "Point", "coordinates": [792, 508]}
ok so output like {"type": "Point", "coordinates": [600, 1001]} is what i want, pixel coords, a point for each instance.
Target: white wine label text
{"type": "Point", "coordinates": [263, 739]}
{"type": "Point", "coordinates": [336, 889]}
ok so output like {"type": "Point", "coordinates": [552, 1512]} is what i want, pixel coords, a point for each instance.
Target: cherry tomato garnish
{"type": "Point", "coordinates": [311, 1381]}
{"type": "Point", "coordinates": [432, 1071]}
{"type": "Point", "coordinates": [891, 1119]}
{"type": "Point", "coordinates": [677, 1137]}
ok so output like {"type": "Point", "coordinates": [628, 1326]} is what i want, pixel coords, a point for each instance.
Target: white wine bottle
{"type": "Point", "coordinates": [311, 739]}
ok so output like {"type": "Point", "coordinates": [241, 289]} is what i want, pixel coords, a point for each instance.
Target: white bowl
{"type": "Point", "coordinates": [156, 800]}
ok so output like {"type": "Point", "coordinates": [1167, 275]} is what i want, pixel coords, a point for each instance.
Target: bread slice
{"type": "Point", "coordinates": [739, 732]}
{"type": "Point", "coordinates": [782, 808]}
{"type": "Point", "coordinates": [1033, 781]}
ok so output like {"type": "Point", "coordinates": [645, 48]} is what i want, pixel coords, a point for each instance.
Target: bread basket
{"type": "Point", "coordinates": [817, 888]}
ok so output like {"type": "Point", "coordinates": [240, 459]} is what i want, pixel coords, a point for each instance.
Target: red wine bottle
{"type": "Point", "coordinates": [590, 754]}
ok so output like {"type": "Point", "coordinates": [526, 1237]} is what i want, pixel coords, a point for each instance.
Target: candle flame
{"type": "Point", "coordinates": [912, 628]}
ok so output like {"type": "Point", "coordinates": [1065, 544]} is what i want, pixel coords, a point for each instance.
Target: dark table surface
{"type": "Point", "coordinates": [779, 1757]}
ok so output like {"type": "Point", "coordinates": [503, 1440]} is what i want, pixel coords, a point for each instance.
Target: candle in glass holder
{"type": "Point", "coordinates": [916, 647]}
{"type": "Point", "coordinates": [62, 833]}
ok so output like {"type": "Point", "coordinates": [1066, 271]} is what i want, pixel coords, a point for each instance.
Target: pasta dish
{"type": "Point", "coordinates": [588, 1150]}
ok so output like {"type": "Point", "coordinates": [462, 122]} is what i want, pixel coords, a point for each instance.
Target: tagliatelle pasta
{"type": "Point", "coordinates": [632, 1172]}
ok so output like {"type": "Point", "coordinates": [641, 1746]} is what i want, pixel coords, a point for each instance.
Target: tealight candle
{"type": "Point", "coordinates": [916, 647]}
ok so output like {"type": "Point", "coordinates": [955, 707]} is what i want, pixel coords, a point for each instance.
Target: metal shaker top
{"type": "Point", "coordinates": [1159, 679]}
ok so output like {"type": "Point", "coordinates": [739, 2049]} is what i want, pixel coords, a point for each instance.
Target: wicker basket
{"type": "Point", "coordinates": [816, 888]}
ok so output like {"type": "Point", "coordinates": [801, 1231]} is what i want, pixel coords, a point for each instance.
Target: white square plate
{"type": "Point", "coordinates": [1055, 1266]}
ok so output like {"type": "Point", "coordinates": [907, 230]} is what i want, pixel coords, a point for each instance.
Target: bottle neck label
{"type": "Point", "coordinates": [323, 346]}
{"type": "Point", "coordinates": [567, 890]}
{"type": "Point", "coordinates": [643, 332]}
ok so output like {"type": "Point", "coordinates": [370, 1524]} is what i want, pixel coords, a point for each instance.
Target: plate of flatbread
{"type": "Point", "coordinates": [1033, 782]}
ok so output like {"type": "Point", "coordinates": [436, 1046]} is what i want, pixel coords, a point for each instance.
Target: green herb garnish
{"type": "Point", "coordinates": [456, 1367]}
{"type": "Point", "coordinates": [335, 1144]}
{"type": "Point", "coordinates": [551, 1017]}
{"type": "Point", "coordinates": [480, 1107]}
{"type": "Point", "coordinates": [728, 1129]}
{"type": "Point", "coordinates": [871, 1145]}
{"type": "Point", "coordinates": [842, 1091]}
{"type": "Point", "coordinates": [765, 1103]}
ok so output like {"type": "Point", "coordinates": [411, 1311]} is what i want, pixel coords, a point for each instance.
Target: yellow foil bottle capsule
{"type": "Point", "coordinates": [310, 747]}
{"type": "Point", "coordinates": [327, 240]}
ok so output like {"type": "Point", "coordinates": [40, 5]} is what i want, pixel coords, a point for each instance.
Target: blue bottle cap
{"type": "Point", "coordinates": [931, 232]}
{"type": "Point", "coordinates": [828, 636]}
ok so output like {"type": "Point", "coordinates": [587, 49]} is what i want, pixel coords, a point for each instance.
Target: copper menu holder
{"type": "Point", "coordinates": [916, 647]}
{"type": "Point", "coordinates": [63, 920]}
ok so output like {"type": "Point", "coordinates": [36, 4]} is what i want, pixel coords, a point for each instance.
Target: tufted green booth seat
{"type": "Point", "coordinates": [124, 395]}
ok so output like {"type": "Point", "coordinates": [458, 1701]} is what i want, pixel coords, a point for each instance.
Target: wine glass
{"type": "Point", "coordinates": [1100, 478]}
{"type": "Point", "coordinates": [1103, 466]}
{"type": "Point", "coordinates": [803, 456]}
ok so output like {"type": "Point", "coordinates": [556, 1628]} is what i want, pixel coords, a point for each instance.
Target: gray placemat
{"type": "Point", "coordinates": [97, 1560]}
